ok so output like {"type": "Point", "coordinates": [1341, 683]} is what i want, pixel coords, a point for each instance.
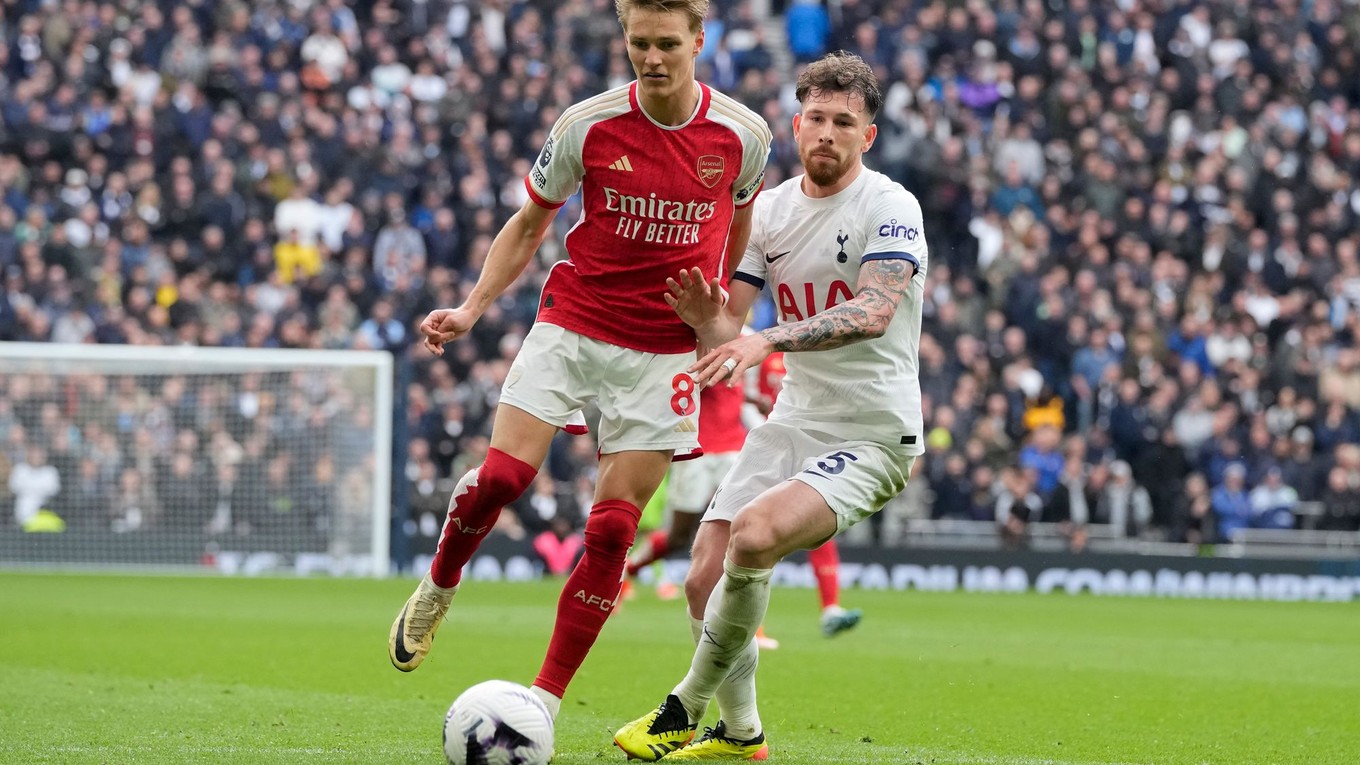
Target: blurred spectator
{"type": "Point", "coordinates": [1076, 495]}
{"type": "Point", "coordinates": [808, 25]}
{"type": "Point", "coordinates": [546, 503]}
{"type": "Point", "coordinates": [1123, 504]}
{"type": "Point", "coordinates": [1303, 469]}
{"type": "Point", "coordinates": [1016, 506]}
{"type": "Point", "coordinates": [295, 259]}
{"type": "Point", "coordinates": [33, 483]}
{"type": "Point", "coordinates": [381, 331]}
{"type": "Point", "coordinates": [1041, 455]}
{"type": "Point", "coordinates": [134, 504]}
{"type": "Point", "coordinates": [1231, 505]}
{"type": "Point", "coordinates": [1341, 502]}
{"type": "Point", "coordinates": [953, 490]}
{"type": "Point", "coordinates": [398, 253]}
{"type": "Point", "coordinates": [1192, 513]}
{"type": "Point", "coordinates": [1273, 503]}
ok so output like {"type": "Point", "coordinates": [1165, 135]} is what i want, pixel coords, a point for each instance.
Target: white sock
{"type": "Point", "coordinates": [696, 628]}
{"type": "Point", "coordinates": [736, 696]}
{"type": "Point", "coordinates": [735, 610]}
{"type": "Point", "coordinates": [832, 611]}
{"type": "Point", "coordinates": [553, 703]}
{"type": "Point", "coordinates": [426, 581]}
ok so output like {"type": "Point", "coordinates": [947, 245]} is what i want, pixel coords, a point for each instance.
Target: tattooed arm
{"type": "Point", "coordinates": [865, 316]}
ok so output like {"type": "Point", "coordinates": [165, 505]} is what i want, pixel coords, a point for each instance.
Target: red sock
{"type": "Point", "coordinates": [473, 509]}
{"type": "Point", "coordinates": [589, 595]}
{"type": "Point", "coordinates": [826, 566]}
{"type": "Point", "coordinates": [658, 546]}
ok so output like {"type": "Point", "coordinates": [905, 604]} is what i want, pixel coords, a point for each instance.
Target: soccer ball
{"type": "Point", "coordinates": [498, 723]}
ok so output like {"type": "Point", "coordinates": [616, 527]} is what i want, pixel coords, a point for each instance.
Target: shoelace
{"type": "Point", "coordinates": [424, 615]}
{"type": "Point", "coordinates": [663, 711]}
{"type": "Point", "coordinates": [719, 734]}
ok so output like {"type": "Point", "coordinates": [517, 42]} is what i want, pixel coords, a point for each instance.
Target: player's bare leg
{"type": "Point", "coordinates": [684, 525]}
{"type": "Point", "coordinates": [626, 481]}
{"type": "Point", "coordinates": [705, 568]}
{"type": "Point", "coordinates": [519, 443]}
{"type": "Point", "coordinates": [789, 517]}
{"type": "Point", "coordinates": [736, 696]}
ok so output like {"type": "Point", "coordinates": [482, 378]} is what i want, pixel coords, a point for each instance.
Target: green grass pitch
{"type": "Point", "coordinates": [113, 669]}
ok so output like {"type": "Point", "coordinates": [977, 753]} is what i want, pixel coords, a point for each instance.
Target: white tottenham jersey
{"type": "Point", "coordinates": [810, 252]}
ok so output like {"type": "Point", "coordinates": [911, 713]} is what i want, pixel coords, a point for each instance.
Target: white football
{"type": "Point", "coordinates": [498, 723]}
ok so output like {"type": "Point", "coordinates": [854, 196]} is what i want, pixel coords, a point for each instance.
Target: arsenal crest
{"type": "Point", "coordinates": [710, 170]}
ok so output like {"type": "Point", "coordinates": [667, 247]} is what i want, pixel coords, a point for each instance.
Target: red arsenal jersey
{"type": "Point", "coordinates": [771, 379]}
{"type": "Point", "coordinates": [656, 199]}
{"type": "Point", "coordinates": [720, 426]}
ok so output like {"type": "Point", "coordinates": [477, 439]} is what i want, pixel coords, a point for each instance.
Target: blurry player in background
{"type": "Point", "coordinates": [667, 169]}
{"type": "Point", "coordinates": [825, 560]}
{"type": "Point", "coordinates": [693, 482]}
{"type": "Point", "coordinates": [846, 428]}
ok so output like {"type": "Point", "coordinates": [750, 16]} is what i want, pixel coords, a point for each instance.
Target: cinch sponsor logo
{"type": "Point", "coordinates": [892, 228]}
{"type": "Point", "coordinates": [655, 208]}
{"type": "Point", "coordinates": [745, 193]}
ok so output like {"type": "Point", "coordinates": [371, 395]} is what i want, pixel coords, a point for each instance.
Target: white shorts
{"type": "Point", "coordinates": [856, 478]}
{"type": "Point", "coordinates": [647, 401]}
{"type": "Point", "coordinates": [693, 482]}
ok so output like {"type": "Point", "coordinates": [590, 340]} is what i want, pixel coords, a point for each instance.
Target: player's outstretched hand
{"type": "Point", "coordinates": [730, 360]}
{"type": "Point", "coordinates": [444, 325]}
{"type": "Point", "coordinates": [695, 300]}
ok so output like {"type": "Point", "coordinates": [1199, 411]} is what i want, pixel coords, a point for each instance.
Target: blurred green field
{"type": "Point", "coordinates": [114, 669]}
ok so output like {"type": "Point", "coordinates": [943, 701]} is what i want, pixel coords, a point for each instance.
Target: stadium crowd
{"type": "Point", "coordinates": [1144, 218]}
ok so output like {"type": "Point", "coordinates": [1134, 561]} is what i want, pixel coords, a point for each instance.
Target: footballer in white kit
{"type": "Point", "coordinates": [843, 250]}
{"type": "Point", "coordinates": [848, 421]}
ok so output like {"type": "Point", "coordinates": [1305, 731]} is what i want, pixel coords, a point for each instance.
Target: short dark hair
{"type": "Point", "coordinates": [841, 72]}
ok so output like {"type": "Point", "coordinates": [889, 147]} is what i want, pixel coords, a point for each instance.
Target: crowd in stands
{"type": "Point", "coordinates": [1144, 221]}
{"type": "Point", "coordinates": [281, 455]}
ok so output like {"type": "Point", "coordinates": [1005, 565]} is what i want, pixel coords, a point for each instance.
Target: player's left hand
{"type": "Point", "coordinates": [730, 360]}
{"type": "Point", "coordinates": [695, 300]}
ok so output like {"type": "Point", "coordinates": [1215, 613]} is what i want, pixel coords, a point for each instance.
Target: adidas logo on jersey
{"type": "Point", "coordinates": [623, 164]}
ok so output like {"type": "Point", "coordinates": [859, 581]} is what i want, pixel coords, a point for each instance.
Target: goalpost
{"type": "Point", "coordinates": [231, 460]}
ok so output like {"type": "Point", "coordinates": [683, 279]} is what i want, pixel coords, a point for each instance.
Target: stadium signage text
{"type": "Point", "coordinates": [1180, 580]}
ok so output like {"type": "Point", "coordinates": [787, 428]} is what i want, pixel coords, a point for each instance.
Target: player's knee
{"type": "Point", "coordinates": [501, 479]}
{"type": "Point", "coordinates": [611, 528]}
{"type": "Point", "coordinates": [751, 540]}
{"type": "Point", "coordinates": [699, 582]}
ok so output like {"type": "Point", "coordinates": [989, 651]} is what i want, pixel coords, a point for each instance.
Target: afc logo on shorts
{"type": "Point", "coordinates": [710, 170]}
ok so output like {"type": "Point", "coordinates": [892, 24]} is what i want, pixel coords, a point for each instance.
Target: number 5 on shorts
{"type": "Point", "coordinates": [834, 463]}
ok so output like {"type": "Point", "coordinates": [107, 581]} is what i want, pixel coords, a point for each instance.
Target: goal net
{"type": "Point", "coordinates": [225, 459]}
